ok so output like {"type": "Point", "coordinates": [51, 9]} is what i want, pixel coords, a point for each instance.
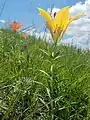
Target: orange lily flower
{"type": "Point", "coordinates": [24, 35]}
{"type": "Point", "coordinates": [15, 26]}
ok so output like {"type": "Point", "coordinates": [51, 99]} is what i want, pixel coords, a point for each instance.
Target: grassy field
{"type": "Point", "coordinates": [41, 81]}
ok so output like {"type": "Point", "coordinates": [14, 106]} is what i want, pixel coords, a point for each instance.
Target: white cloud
{"type": "Point", "coordinates": [43, 35]}
{"type": "Point", "coordinates": [2, 21]}
{"type": "Point", "coordinates": [3, 24]}
{"type": "Point", "coordinates": [52, 11]}
{"type": "Point", "coordinates": [78, 8]}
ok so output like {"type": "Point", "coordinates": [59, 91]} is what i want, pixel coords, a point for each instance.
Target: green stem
{"type": "Point", "coordinates": [52, 72]}
{"type": "Point", "coordinates": [89, 104]}
{"type": "Point", "coordinates": [55, 43]}
{"type": "Point", "coordinates": [52, 80]}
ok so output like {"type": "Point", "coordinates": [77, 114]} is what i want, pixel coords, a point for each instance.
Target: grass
{"type": "Point", "coordinates": [40, 81]}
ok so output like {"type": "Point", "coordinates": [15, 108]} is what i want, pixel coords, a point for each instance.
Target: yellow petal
{"type": "Point", "coordinates": [47, 18]}
{"type": "Point", "coordinates": [62, 16]}
{"type": "Point", "coordinates": [75, 17]}
{"type": "Point", "coordinates": [62, 33]}
{"type": "Point", "coordinates": [65, 16]}
{"type": "Point", "coordinates": [44, 14]}
{"type": "Point", "coordinates": [70, 20]}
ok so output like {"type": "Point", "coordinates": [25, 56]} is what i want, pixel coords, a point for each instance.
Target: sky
{"type": "Point", "coordinates": [25, 11]}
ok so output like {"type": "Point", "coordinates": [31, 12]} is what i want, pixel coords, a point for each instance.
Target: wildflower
{"type": "Point", "coordinates": [24, 35]}
{"type": "Point", "coordinates": [15, 26]}
{"type": "Point", "coordinates": [59, 24]}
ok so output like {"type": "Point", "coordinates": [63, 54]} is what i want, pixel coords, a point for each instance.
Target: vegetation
{"type": "Point", "coordinates": [41, 81]}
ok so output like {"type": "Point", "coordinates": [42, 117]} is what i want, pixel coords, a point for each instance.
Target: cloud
{"type": "Point", "coordinates": [2, 21]}
{"type": "Point", "coordinates": [79, 30]}
{"type": "Point", "coordinates": [52, 11]}
{"type": "Point", "coordinates": [3, 24]}
{"type": "Point", "coordinates": [43, 35]}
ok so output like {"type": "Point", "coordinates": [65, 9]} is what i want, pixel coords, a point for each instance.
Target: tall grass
{"type": "Point", "coordinates": [40, 81]}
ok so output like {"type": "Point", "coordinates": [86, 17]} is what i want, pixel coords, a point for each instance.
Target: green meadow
{"type": "Point", "coordinates": [42, 81]}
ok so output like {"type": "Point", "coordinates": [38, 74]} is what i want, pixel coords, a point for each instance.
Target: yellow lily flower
{"type": "Point", "coordinates": [59, 24]}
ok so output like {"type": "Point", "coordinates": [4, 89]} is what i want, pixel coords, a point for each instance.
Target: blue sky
{"type": "Point", "coordinates": [26, 12]}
